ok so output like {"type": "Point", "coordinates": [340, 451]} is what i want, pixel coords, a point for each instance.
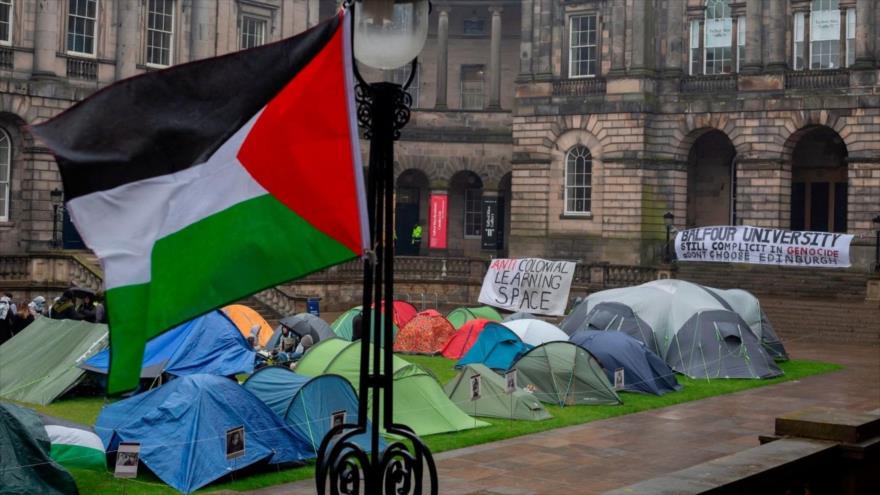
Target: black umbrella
{"type": "Point", "coordinates": [303, 324]}
{"type": "Point", "coordinates": [82, 292]}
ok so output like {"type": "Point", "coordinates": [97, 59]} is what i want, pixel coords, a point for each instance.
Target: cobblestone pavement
{"type": "Point", "coordinates": [603, 455]}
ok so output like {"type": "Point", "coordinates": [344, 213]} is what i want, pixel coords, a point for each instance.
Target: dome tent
{"type": "Point", "coordinates": [343, 326]}
{"type": "Point", "coordinates": [748, 307]}
{"type": "Point", "coordinates": [644, 371]}
{"type": "Point", "coordinates": [419, 401]}
{"type": "Point", "coordinates": [689, 326]}
{"type": "Point", "coordinates": [564, 374]}
{"type": "Point", "coordinates": [497, 348]}
{"type": "Point", "coordinates": [519, 315]}
{"type": "Point", "coordinates": [460, 316]}
{"type": "Point", "coordinates": [462, 340]}
{"type": "Point", "coordinates": [427, 333]}
{"type": "Point", "coordinates": [536, 332]}
{"type": "Point", "coordinates": [249, 323]}
{"type": "Point", "coordinates": [494, 401]}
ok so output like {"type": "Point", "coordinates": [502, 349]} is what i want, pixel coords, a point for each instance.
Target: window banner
{"type": "Point", "coordinates": [763, 246]}
{"type": "Point", "coordinates": [824, 25]}
{"type": "Point", "coordinates": [719, 33]}
{"type": "Point", "coordinates": [489, 227]}
{"type": "Point", "coordinates": [437, 213]}
{"type": "Point", "coordinates": [532, 285]}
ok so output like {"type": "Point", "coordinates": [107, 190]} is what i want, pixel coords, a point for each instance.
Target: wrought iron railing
{"type": "Point", "coordinates": [579, 87]}
{"type": "Point", "coordinates": [708, 84]}
{"type": "Point", "coordinates": [7, 58]}
{"type": "Point", "coordinates": [817, 79]}
{"type": "Point", "coordinates": [82, 68]}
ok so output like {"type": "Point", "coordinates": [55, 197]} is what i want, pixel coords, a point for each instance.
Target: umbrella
{"type": "Point", "coordinates": [82, 292]}
{"type": "Point", "coordinates": [303, 324]}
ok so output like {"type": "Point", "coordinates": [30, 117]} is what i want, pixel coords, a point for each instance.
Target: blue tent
{"type": "Point", "coordinates": [208, 344]}
{"type": "Point", "coordinates": [497, 347]}
{"type": "Point", "coordinates": [306, 404]}
{"type": "Point", "coordinates": [182, 428]}
{"type": "Point", "coordinates": [643, 371]}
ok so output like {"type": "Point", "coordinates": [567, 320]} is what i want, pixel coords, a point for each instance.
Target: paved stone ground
{"type": "Point", "coordinates": [603, 455]}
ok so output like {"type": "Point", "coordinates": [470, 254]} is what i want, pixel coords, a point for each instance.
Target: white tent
{"type": "Point", "coordinates": [536, 332]}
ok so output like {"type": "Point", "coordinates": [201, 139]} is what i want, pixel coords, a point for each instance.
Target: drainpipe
{"type": "Point", "coordinates": [733, 220]}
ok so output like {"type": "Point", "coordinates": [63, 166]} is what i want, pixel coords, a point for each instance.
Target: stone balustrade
{"type": "Point", "coordinates": [708, 84]}
{"type": "Point", "coordinates": [817, 79]}
{"type": "Point", "coordinates": [579, 87]}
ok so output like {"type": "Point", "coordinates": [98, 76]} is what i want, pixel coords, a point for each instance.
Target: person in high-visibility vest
{"type": "Point", "coordinates": [417, 236]}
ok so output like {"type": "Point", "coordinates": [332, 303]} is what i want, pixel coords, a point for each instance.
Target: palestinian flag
{"type": "Point", "coordinates": [210, 181]}
{"type": "Point", "coordinates": [73, 444]}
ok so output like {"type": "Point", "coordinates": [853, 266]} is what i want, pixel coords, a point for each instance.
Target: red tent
{"type": "Point", "coordinates": [425, 334]}
{"type": "Point", "coordinates": [464, 338]}
{"type": "Point", "coordinates": [403, 312]}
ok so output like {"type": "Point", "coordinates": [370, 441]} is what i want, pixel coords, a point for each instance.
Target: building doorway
{"type": "Point", "coordinates": [411, 210]}
{"type": "Point", "coordinates": [711, 181]}
{"type": "Point", "coordinates": [819, 181]}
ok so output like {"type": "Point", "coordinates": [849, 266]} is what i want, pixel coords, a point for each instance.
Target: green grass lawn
{"type": "Point", "coordinates": [85, 410]}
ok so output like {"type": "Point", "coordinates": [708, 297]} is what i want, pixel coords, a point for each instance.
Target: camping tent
{"type": "Point", "coordinates": [460, 316]}
{"type": "Point", "coordinates": [564, 374]}
{"type": "Point", "coordinates": [689, 326]}
{"type": "Point", "coordinates": [208, 344]}
{"type": "Point", "coordinates": [462, 340]}
{"type": "Point", "coordinates": [25, 449]}
{"type": "Point", "coordinates": [494, 400]}
{"type": "Point", "coordinates": [40, 363]}
{"type": "Point", "coordinates": [519, 315]}
{"type": "Point", "coordinates": [343, 326]}
{"type": "Point", "coordinates": [302, 324]}
{"type": "Point", "coordinates": [249, 323]}
{"type": "Point", "coordinates": [183, 426]}
{"type": "Point", "coordinates": [419, 402]}
{"type": "Point", "coordinates": [306, 404]}
{"type": "Point", "coordinates": [749, 308]}
{"type": "Point", "coordinates": [427, 333]}
{"type": "Point", "coordinates": [536, 332]}
{"type": "Point", "coordinates": [643, 371]}
{"type": "Point", "coordinates": [497, 347]}
{"type": "Point", "coordinates": [403, 312]}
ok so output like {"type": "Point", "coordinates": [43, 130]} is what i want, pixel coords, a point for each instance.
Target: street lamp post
{"type": "Point", "coordinates": [56, 195]}
{"type": "Point", "coordinates": [668, 219]}
{"type": "Point", "coordinates": [387, 34]}
{"type": "Point", "coordinates": [877, 244]}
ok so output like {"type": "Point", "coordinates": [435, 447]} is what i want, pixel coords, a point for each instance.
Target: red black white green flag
{"type": "Point", "coordinates": [207, 182]}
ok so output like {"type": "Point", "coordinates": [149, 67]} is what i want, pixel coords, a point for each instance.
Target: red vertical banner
{"type": "Point", "coordinates": [437, 221]}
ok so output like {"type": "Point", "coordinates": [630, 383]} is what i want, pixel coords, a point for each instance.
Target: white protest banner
{"type": "Point", "coordinates": [763, 246]}
{"type": "Point", "coordinates": [825, 25]}
{"type": "Point", "coordinates": [532, 285]}
{"type": "Point", "coordinates": [719, 33]}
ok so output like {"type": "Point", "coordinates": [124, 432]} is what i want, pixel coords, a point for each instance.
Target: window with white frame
{"type": "Point", "coordinates": [583, 46]}
{"type": "Point", "coordinates": [740, 40]}
{"type": "Point", "coordinates": [472, 86]}
{"type": "Point", "coordinates": [850, 36]}
{"type": "Point", "coordinates": [473, 212]}
{"type": "Point", "coordinates": [253, 31]}
{"type": "Point", "coordinates": [824, 34]}
{"type": "Point", "coordinates": [5, 173]}
{"type": "Point", "coordinates": [82, 20]}
{"type": "Point", "coordinates": [578, 180]}
{"type": "Point", "coordinates": [160, 32]}
{"type": "Point", "coordinates": [798, 31]}
{"type": "Point", "coordinates": [695, 63]}
{"type": "Point", "coordinates": [718, 39]}
{"type": "Point", "coordinates": [5, 22]}
{"type": "Point", "coordinates": [401, 74]}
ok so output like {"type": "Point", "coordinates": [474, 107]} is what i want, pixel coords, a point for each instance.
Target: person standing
{"type": "Point", "coordinates": [6, 318]}
{"type": "Point", "coordinates": [64, 307]}
{"type": "Point", "coordinates": [417, 237]}
{"type": "Point", "coordinates": [23, 318]}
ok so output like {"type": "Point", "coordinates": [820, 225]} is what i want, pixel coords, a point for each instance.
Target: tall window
{"type": "Point", "coordinates": [82, 17]}
{"type": "Point", "coordinates": [160, 32]}
{"type": "Point", "coordinates": [583, 49]}
{"type": "Point", "coordinates": [400, 75]}
{"type": "Point", "coordinates": [695, 62]}
{"type": "Point", "coordinates": [473, 213]}
{"type": "Point", "coordinates": [5, 22]}
{"type": "Point", "coordinates": [740, 40]}
{"type": "Point", "coordinates": [472, 87]}
{"type": "Point", "coordinates": [850, 36]}
{"type": "Point", "coordinates": [718, 31]}
{"type": "Point", "coordinates": [578, 180]}
{"type": "Point", "coordinates": [253, 32]}
{"type": "Point", "coordinates": [798, 62]}
{"type": "Point", "coordinates": [5, 170]}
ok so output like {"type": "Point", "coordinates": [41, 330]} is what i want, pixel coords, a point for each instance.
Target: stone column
{"type": "Point", "coordinates": [776, 61]}
{"type": "Point", "coordinates": [542, 37]}
{"type": "Point", "coordinates": [202, 35]}
{"type": "Point", "coordinates": [865, 34]}
{"type": "Point", "coordinates": [754, 26]}
{"type": "Point", "coordinates": [126, 38]}
{"type": "Point", "coordinates": [525, 43]}
{"type": "Point", "coordinates": [618, 35]}
{"type": "Point", "coordinates": [442, 60]}
{"type": "Point", "coordinates": [675, 29]}
{"type": "Point", "coordinates": [495, 60]}
{"type": "Point", "coordinates": [642, 29]}
{"type": "Point", "coordinates": [46, 37]}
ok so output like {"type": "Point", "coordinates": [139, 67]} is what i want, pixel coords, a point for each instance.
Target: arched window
{"type": "Point", "coordinates": [717, 56]}
{"type": "Point", "coordinates": [578, 180]}
{"type": "Point", "coordinates": [829, 26]}
{"type": "Point", "coordinates": [5, 173]}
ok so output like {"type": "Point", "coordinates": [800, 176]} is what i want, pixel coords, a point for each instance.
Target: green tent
{"type": "Point", "coordinates": [40, 363]}
{"type": "Point", "coordinates": [564, 374]}
{"type": "Point", "coordinates": [24, 448]}
{"type": "Point", "coordinates": [494, 401]}
{"type": "Point", "coordinates": [460, 316]}
{"type": "Point", "coordinates": [419, 402]}
{"type": "Point", "coordinates": [343, 326]}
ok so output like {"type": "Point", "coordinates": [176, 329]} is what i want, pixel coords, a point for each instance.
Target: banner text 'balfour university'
{"type": "Point", "coordinates": [763, 246]}
{"type": "Point", "coordinates": [532, 285]}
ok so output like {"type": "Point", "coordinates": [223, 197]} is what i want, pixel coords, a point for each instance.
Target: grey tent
{"type": "Point", "coordinates": [519, 315]}
{"type": "Point", "coordinates": [564, 374]}
{"type": "Point", "coordinates": [494, 400]}
{"type": "Point", "coordinates": [691, 327]}
{"type": "Point", "coordinates": [748, 307]}
{"type": "Point", "coordinates": [302, 324]}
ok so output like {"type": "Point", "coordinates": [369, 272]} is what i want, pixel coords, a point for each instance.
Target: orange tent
{"type": "Point", "coordinates": [427, 333]}
{"type": "Point", "coordinates": [248, 322]}
{"type": "Point", "coordinates": [464, 338]}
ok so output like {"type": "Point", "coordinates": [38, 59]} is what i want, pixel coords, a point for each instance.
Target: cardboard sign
{"type": "Point", "coordinates": [532, 285]}
{"type": "Point", "coordinates": [825, 25]}
{"type": "Point", "coordinates": [127, 459]}
{"type": "Point", "coordinates": [763, 246]}
{"type": "Point", "coordinates": [437, 216]}
{"type": "Point", "coordinates": [337, 418]}
{"type": "Point", "coordinates": [510, 381]}
{"type": "Point", "coordinates": [234, 442]}
{"type": "Point", "coordinates": [476, 387]}
{"type": "Point", "coordinates": [489, 227]}
{"type": "Point", "coordinates": [719, 33]}
{"type": "Point", "coordinates": [618, 379]}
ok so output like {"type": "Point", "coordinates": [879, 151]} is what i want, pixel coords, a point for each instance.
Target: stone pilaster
{"type": "Point", "coordinates": [863, 177]}
{"type": "Point", "coordinates": [495, 60]}
{"type": "Point", "coordinates": [642, 37]}
{"type": "Point", "coordinates": [754, 26]}
{"type": "Point", "coordinates": [542, 37]}
{"type": "Point", "coordinates": [442, 59]}
{"type": "Point", "coordinates": [525, 42]}
{"type": "Point", "coordinates": [618, 38]}
{"type": "Point", "coordinates": [763, 193]}
{"type": "Point", "coordinates": [126, 38]}
{"type": "Point", "coordinates": [675, 30]}
{"type": "Point", "coordinates": [203, 29]}
{"type": "Point", "coordinates": [776, 61]}
{"type": "Point", "coordinates": [46, 37]}
{"type": "Point", "coordinates": [865, 34]}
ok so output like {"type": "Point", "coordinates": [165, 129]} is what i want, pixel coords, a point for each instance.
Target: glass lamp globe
{"type": "Point", "coordinates": [389, 33]}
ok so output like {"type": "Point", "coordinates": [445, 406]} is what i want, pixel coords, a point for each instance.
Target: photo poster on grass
{"type": "Point", "coordinates": [476, 387]}
{"type": "Point", "coordinates": [438, 207]}
{"type": "Point", "coordinates": [763, 246]}
{"type": "Point", "coordinates": [510, 381]}
{"type": "Point", "coordinates": [234, 442]}
{"type": "Point", "coordinates": [618, 379]}
{"type": "Point", "coordinates": [127, 459]}
{"type": "Point", "coordinates": [532, 285]}
{"type": "Point", "coordinates": [337, 418]}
